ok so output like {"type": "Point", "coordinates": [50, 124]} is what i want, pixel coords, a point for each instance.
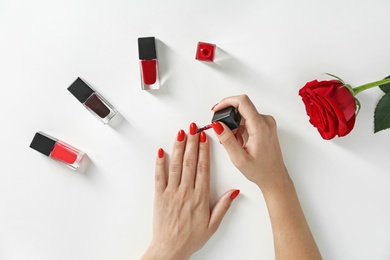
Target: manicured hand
{"type": "Point", "coordinates": [183, 221]}
{"type": "Point", "coordinates": [254, 147]}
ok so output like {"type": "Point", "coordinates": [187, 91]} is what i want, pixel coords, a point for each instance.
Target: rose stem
{"type": "Point", "coordinates": [361, 88]}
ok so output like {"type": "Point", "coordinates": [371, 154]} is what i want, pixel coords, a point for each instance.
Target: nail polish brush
{"type": "Point", "coordinates": [229, 116]}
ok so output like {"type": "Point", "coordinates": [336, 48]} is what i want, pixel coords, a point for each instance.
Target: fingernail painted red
{"type": "Point", "coordinates": [181, 135]}
{"type": "Point", "coordinates": [193, 128]}
{"type": "Point", "coordinates": [234, 194]}
{"type": "Point", "coordinates": [202, 137]}
{"type": "Point", "coordinates": [214, 106]}
{"type": "Point", "coordinates": [160, 153]}
{"type": "Point", "coordinates": [218, 128]}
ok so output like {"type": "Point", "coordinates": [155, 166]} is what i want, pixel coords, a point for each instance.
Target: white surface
{"type": "Point", "coordinates": [267, 49]}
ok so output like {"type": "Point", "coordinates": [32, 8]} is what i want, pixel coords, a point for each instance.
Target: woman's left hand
{"type": "Point", "coordinates": [183, 221]}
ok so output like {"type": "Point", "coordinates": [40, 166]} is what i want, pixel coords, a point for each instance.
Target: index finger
{"type": "Point", "coordinates": [243, 104]}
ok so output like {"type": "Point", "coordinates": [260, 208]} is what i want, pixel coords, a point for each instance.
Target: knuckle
{"type": "Point", "coordinates": [244, 98]}
{"type": "Point", "coordinates": [183, 192]}
{"type": "Point", "coordinates": [203, 167]}
{"type": "Point", "coordinates": [175, 168]}
{"type": "Point", "coordinates": [159, 177]}
{"type": "Point", "coordinates": [270, 124]}
{"type": "Point", "coordinates": [271, 121]}
{"type": "Point", "coordinates": [189, 162]}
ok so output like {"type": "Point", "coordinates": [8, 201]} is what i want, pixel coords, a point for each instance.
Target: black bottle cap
{"type": "Point", "coordinates": [80, 90]}
{"type": "Point", "coordinates": [229, 116]}
{"type": "Point", "coordinates": [147, 48]}
{"type": "Point", "coordinates": [43, 143]}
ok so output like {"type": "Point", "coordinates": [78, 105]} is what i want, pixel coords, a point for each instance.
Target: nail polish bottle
{"type": "Point", "coordinates": [57, 150]}
{"type": "Point", "coordinates": [205, 51]}
{"type": "Point", "coordinates": [148, 63]}
{"type": "Point", "coordinates": [229, 116]}
{"type": "Point", "coordinates": [92, 100]}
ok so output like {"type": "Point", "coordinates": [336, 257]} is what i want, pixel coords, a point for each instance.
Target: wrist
{"type": "Point", "coordinates": [156, 253]}
{"type": "Point", "coordinates": [277, 181]}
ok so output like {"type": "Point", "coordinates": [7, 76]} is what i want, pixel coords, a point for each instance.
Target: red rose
{"type": "Point", "coordinates": [330, 106]}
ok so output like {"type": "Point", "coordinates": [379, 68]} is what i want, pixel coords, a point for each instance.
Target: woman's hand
{"type": "Point", "coordinates": [254, 148]}
{"type": "Point", "coordinates": [183, 221]}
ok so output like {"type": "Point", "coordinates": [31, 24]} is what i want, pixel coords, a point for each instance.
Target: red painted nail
{"type": "Point", "coordinates": [193, 128]}
{"type": "Point", "coordinates": [214, 106]}
{"type": "Point", "coordinates": [202, 137]}
{"type": "Point", "coordinates": [218, 128]}
{"type": "Point", "coordinates": [234, 194]}
{"type": "Point", "coordinates": [161, 153]}
{"type": "Point", "coordinates": [181, 135]}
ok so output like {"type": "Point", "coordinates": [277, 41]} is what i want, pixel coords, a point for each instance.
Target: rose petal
{"type": "Point", "coordinates": [350, 125]}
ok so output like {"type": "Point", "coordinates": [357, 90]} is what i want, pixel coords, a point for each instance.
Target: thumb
{"type": "Point", "coordinates": [220, 209]}
{"type": "Point", "coordinates": [233, 147]}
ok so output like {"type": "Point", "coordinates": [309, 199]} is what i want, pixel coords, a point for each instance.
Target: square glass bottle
{"type": "Point", "coordinates": [148, 63]}
{"type": "Point", "coordinates": [57, 150]}
{"type": "Point", "coordinates": [92, 101]}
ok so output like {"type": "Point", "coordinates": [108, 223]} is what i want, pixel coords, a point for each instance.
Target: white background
{"type": "Point", "coordinates": [266, 49]}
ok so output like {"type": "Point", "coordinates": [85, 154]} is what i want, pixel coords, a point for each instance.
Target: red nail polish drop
{"type": "Point", "coordinates": [62, 153]}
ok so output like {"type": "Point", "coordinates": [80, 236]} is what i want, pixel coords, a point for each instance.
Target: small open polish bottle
{"type": "Point", "coordinates": [148, 63]}
{"type": "Point", "coordinates": [57, 150]}
{"type": "Point", "coordinates": [229, 116]}
{"type": "Point", "coordinates": [92, 100]}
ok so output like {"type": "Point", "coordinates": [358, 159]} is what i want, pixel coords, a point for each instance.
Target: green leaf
{"type": "Point", "coordinates": [386, 87]}
{"type": "Point", "coordinates": [382, 113]}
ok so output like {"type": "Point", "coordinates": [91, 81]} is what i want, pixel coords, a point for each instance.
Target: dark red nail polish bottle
{"type": "Point", "coordinates": [57, 150]}
{"type": "Point", "coordinates": [148, 63]}
{"type": "Point", "coordinates": [92, 100]}
{"type": "Point", "coordinates": [205, 51]}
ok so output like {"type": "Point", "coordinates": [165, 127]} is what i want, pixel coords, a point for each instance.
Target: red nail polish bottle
{"type": "Point", "coordinates": [92, 100]}
{"type": "Point", "coordinates": [148, 63]}
{"type": "Point", "coordinates": [57, 150]}
{"type": "Point", "coordinates": [205, 51]}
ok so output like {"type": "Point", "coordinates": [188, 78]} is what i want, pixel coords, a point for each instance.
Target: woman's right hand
{"type": "Point", "coordinates": [254, 149]}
